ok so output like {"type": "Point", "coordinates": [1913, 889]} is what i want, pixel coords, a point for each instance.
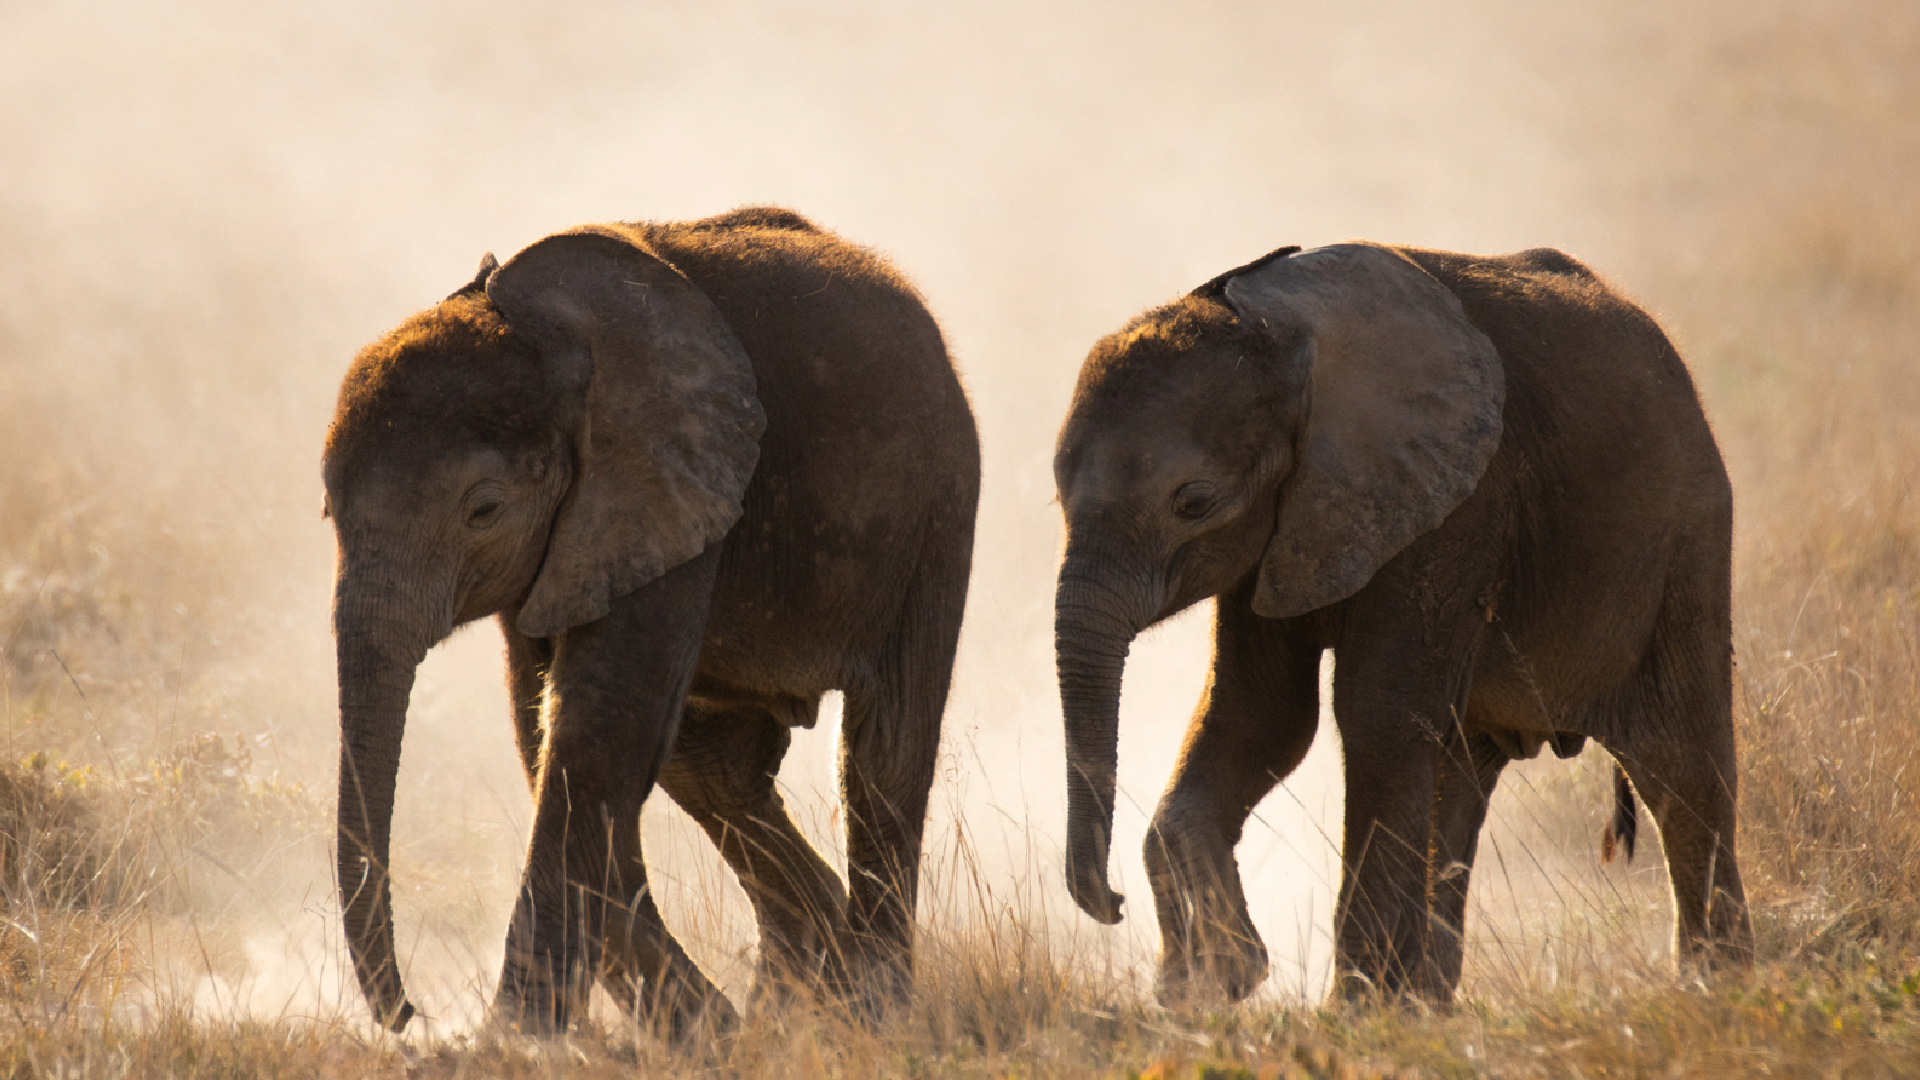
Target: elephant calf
{"type": "Point", "coordinates": [703, 472]}
{"type": "Point", "coordinates": [1487, 485]}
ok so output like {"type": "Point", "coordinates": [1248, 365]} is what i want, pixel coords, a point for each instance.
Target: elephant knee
{"type": "Point", "coordinates": [1184, 839]}
{"type": "Point", "coordinates": [1154, 850]}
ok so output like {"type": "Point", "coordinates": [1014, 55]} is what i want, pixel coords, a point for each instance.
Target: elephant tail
{"type": "Point", "coordinates": [1625, 826]}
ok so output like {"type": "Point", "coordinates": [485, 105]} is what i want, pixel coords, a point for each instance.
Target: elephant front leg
{"type": "Point", "coordinates": [618, 685]}
{"type": "Point", "coordinates": [527, 662]}
{"type": "Point", "coordinates": [1252, 728]}
{"type": "Point", "coordinates": [557, 938]}
{"type": "Point", "coordinates": [613, 928]}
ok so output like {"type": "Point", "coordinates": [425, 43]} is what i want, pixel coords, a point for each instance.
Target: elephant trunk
{"type": "Point", "coordinates": [1093, 629]}
{"type": "Point", "coordinates": [376, 671]}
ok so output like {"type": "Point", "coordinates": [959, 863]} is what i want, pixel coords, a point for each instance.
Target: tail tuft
{"type": "Point", "coordinates": [1625, 826]}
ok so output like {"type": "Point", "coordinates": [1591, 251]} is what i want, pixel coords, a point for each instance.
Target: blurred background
{"type": "Point", "coordinates": [206, 208]}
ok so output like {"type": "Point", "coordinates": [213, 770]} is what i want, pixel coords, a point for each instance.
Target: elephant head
{"type": "Point", "coordinates": [1301, 419]}
{"type": "Point", "coordinates": [554, 435]}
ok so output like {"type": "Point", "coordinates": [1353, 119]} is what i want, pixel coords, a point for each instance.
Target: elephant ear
{"type": "Point", "coordinates": [488, 264]}
{"type": "Point", "coordinates": [659, 398]}
{"type": "Point", "coordinates": [1404, 414]}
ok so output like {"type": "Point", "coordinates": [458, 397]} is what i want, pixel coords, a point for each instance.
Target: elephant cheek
{"type": "Point", "coordinates": [501, 573]}
{"type": "Point", "coordinates": [1222, 559]}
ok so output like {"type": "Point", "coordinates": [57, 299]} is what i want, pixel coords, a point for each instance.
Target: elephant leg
{"type": "Point", "coordinates": [618, 687]}
{"type": "Point", "coordinates": [640, 951]}
{"type": "Point", "coordinates": [1465, 772]}
{"type": "Point", "coordinates": [722, 774]}
{"type": "Point", "coordinates": [528, 660]}
{"type": "Point", "coordinates": [645, 969]}
{"type": "Point", "coordinates": [1396, 700]}
{"type": "Point", "coordinates": [887, 766]}
{"type": "Point", "coordinates": [890, 740]}
{"type": "Point", "coordinates": [1255, 722]}
{"type": "Point", "coordinates": [1675, 740]}
{"type": "Point", "coordinates": [1380, 919]}
{"type": "Point", "coordinates": [1689, 790]}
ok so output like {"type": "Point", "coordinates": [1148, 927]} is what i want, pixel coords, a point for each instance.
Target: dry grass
{"type": "Point", "coordinates": [164, 783]}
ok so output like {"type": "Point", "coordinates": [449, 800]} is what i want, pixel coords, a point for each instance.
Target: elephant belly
{"type": "Point", "coordinates": [804, 604]}
{"type": "Point", "coordinates": [1558, 687]}
{"type": "Point", "coordinates": [1526, 745]}
{"type": "Point", "coordinates": [711, 695]}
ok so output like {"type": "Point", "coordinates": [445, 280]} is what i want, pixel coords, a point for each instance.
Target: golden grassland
{"type": "Point", "coordinates": [109, 868]}
{"type": "Point", "coordinates": [146, 816]}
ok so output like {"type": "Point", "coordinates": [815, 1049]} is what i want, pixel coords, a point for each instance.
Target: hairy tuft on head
{"type": "Point", "coordinates": [454, 369]}
{"type": "Point", "coordinates": [1153, 346]}
{"type": "Point", "coordinates": [1194, 365]}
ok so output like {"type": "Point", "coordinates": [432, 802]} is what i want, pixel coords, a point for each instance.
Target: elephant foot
{"type": "Point", "coordinates": [1429, 984]}
{"type": "Point", "coordinates": [687, 1017]}
{"type": "Point", "coordinates": [877, 987]}
{"type": "Point", "coordinates": [811, 971]}
{"type": "Point", "coordinates": [1221, 974]}
{"type": "Point", "coordinates": [680, 1007]}
{"type": "Point", "coordinates": [1436, 979]}
{"type": "Point", "coordinates": [529, 1002]}
{"type": "Point", "coordinates": [1351, 986]}
{"type": "Point", "coordinates": [1725, 945]}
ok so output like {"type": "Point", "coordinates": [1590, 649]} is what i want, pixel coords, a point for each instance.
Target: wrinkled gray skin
{"type": "Point", "coordinates": [1487, 485]}
{"type": "Point", "coordinates": [703, 473]}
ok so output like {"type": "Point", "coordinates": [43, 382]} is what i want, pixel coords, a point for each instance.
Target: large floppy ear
{"type": "Point", "coordinates": [659, 399]}
{"type": "Point", "coordinates": [1403, 415]}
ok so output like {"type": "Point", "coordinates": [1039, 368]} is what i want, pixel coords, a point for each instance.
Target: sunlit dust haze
{"type": "Point", "coordinates": [207, 207]}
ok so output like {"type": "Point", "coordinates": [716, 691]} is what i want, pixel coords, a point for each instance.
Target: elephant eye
{"type": "Point", "coordinates": [1193, 501]}
{"type": "Point", "coordinates": [482, 510]}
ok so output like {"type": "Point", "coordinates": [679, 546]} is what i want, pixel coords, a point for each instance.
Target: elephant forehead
{"type": "Point", "coordinates": [399, 486]}
{"type": "Point", "coordinates": [452, 369]}
{"type": "Point", "coordinates": [1105, 471]}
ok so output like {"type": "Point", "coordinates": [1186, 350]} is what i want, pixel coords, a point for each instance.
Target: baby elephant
{"type": "Point", "coordinates": [1486, 484]}
{"type": "Point", "coordinates": [703, 472]}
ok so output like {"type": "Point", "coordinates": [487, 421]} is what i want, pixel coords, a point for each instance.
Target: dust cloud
{"type": "Point", "coordinates": [208, 206]}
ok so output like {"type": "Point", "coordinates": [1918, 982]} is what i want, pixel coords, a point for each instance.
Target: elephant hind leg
{"type": "Point", "coordinates": [1688, 784]}
{"type": "Point", "coordinates": [1675, 741]}
{"type": "Point", "coordinates": [1689, 789]}
{"type": "Point", "coordinates": [722, 774]}
{"type": "Point", "coordinates": [890, 742]}
{"type": "Point", "coordinates": [1465, 772]}
{"type": "Point", "coordinates": [645, 969]}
